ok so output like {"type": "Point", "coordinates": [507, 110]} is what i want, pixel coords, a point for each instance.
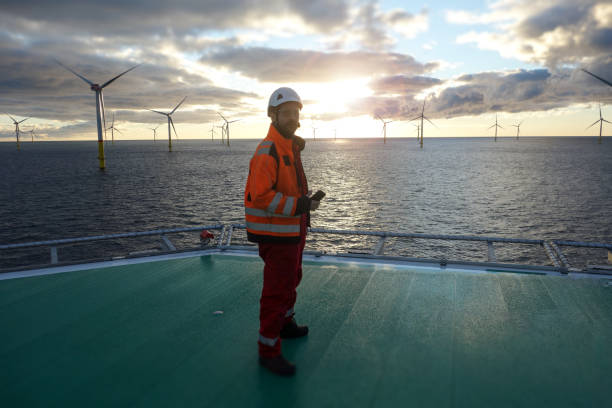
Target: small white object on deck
{"type": "Point", "coordinates": [218, 312]}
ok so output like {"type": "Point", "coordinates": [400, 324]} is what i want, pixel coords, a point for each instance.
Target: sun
{"type": "Point", "coordinates": [334, 97]}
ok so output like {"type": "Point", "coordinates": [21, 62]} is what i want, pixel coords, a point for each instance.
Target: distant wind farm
{"type": "Point", "coordinates": [170, 122]}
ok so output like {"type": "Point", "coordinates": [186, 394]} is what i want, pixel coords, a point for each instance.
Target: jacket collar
{"type": "Point", "coordinates": [275, 135]}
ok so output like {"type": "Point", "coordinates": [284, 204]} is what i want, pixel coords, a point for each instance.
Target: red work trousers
{"type": "Point", "coordinates": [282, 275]}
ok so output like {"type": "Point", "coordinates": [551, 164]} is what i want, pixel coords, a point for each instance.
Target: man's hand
{"type": "Point", "coordinates": [313, 204]}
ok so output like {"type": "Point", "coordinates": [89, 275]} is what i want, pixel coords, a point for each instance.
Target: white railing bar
{"type": "Point", "coordinates": [111, 236]}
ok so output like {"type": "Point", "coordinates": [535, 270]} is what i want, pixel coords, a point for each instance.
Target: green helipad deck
{"type": "Point", "coordinates": [146, 334]}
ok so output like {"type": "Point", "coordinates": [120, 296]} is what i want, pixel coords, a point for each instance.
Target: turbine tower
{"type": "Point", "coordinates": [595, 76]}
{"type": "Point", "coordinates": [601, 120]}
{"type": "Point", "coordinates": [112, 129]}
{"type": "Point", "coordinates": [222, 132]}
{"type": "Point", "coordinates": [17, 128]}
{"type": "Point", "coordinates": [518, 129]}
{"type": "Point", "coordinates": [155, 133]}
{"type": "Point", "coordinates": [32, 133]}
{"type": "Point", "coordinates": [100, 118]}
{"type": "Point", "coordinates": [422, 116]}
{"type": "Point", "coordinates": [496, 126]}
{"type": "Point", "coordinates": [418, 131]}
{"type": "Point", "coordinates": [170, 122]}
{"type": "Point", "coordinates": [226, 127]}
{"type": "Point", "coordinates": [384, 128]}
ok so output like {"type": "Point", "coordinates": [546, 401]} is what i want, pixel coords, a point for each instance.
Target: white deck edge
{"type": "Point", "coordinates": [387, 263]}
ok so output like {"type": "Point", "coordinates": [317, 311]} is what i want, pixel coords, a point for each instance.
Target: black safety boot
{"type": "Point", "coordinates": [278, 365]}
{"type": "Point", "coordinates": [291, 330]}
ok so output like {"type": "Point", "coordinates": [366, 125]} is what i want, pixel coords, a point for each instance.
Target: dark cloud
{"type": "Point", "coordinates": [519, 91]}
{"type": "Point", "coordinates": [281, 65]}
{"type": "Point", "coordinates": [325, 15]}
{"type": "Point", "coordinates": [119, 18]}
{"type": "Point", "coordinates": [554, 34]}
{"type": "Point", "coordinates": [565, 16]}
{"type": "Point", "coordinates": [403, 84]}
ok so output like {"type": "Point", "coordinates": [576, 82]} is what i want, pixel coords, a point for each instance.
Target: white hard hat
{"type": "Point", "coordinates": [282, 95]}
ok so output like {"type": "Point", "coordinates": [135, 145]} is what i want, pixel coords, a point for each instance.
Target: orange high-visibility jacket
{"type": "Point", "coordinates": [274, 198]}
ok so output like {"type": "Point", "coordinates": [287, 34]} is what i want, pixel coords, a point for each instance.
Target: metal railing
{"type": "Point", "coordinates": [162, 233]}
{"type": "Point", "coordinates": [552, 248]}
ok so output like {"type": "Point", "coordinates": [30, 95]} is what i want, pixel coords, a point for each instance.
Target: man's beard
{"type": "Point", "coordinates": [288, 130]}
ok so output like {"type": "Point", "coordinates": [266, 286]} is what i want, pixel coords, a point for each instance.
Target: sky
{"type": "Point", "coordinates": [351, 61]}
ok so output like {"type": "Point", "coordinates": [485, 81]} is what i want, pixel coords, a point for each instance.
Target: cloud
{"type": "Point", "coordinates": [396, 97]}
{"type": "Point", "coordinates": [551, 33]}
{"type": "Point", "coordinates": [403, 84]}
{"type": "Point", "coordinates": [182, 16]}
{"type": "Point", "coordinates": [283, 65]}
{"type": "Point", "coordinates": [32, 84]}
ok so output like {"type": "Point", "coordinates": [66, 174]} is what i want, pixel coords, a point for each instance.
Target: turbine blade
{"type": "Point", "coordinates": [222, 116]}
{"type": "Point", "coordinates": [161, 113]}
{"type": "Point", "coordinates": [593, 75]}
{"type": "Point", "coordinates": [79, 75]}
{"type": "Point", "coordinates": [121, 74]}
{"type": "Point", "coordinates": [606, 121]}
{"type": "Point", "coordinates": [172, 123]}
{"type": "Point", "coordinates": [418, 117]}
{"type": "Point", "coordinates": [12, 118]}
{"type": "Point", "coordinates": [23, 120]}
{"type": "Point", "coordinates": [594, 123]}
{"type": "Point", "coordinates": [490, 127]}
{"type": "Point", "coordinates": [174, 110]}
{"type": "Point", "coordinates": [232, 121]}
{"type": "Point", "coordinates": [430, 122]}
{"type": "Point", "coordinates": [103, 112]}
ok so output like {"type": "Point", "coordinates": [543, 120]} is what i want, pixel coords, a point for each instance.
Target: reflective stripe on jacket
{"type": "Point", "coordinates": [274, 197]}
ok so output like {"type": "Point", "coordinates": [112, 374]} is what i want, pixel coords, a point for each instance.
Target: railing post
{"type": "Point", "coordinates": [565, 263]}
{"type": "Point", "coordinates": [221, 237]}
{"type": "Point", "coordinates": [54, 258]}
{"type": "Point", "coordinates": [230, 229]}
{"type": "Point", "coordinates": [491, 252]}
{"type": "Point", "coordinates": [379, 246]}
{"type": "Point", "coordinates": [167, 244]}
{"type": "Point", "coordinates": [551, 254]}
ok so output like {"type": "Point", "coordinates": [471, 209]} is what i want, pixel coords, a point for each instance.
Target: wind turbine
{"type": "Point", "coordinates": [17, 128]}
{"type": "Point", "coordinates": [222, 127]}
{"type": "Point", "coordinates": [212, 133]}
{"type": "Point", "coordinates": [595, 76]}
{"type": "Point", "coordinates": [154, 132]}
{"type": "Point", "coordinates": [170, 122]}
{"type": "Point", "coordinates": [100, 117]}
{"type": "Point", "coordinates": [226, 127]}
{"type": "Point", "coordinates": [518, 129]}
{"type": "Point", "coordinates": [422, 116]}
{"type": "Point", "coordinates": [32, 133]}
{"type": "Point", "coordinates": [601, 120]}
{"type": "Point", "coordinates": [112, 129]}
{"type": "Point", "coordinates": [496, 126]}
{"type": "Point", "coordinates": [384, 128]}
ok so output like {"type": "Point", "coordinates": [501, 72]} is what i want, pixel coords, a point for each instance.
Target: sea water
{"type": "Point", "coordinates": [535, 188]}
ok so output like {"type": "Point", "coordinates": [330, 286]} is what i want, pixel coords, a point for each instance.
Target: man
{"type": "Point", "coordinates": [277, 211]}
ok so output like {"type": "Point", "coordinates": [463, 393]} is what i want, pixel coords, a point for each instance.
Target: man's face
{"type": "Point", "coordinates": [288, 117]}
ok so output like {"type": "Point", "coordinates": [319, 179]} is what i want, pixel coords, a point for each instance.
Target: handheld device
{"type": "Point", "coordinates": [318, 195]}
